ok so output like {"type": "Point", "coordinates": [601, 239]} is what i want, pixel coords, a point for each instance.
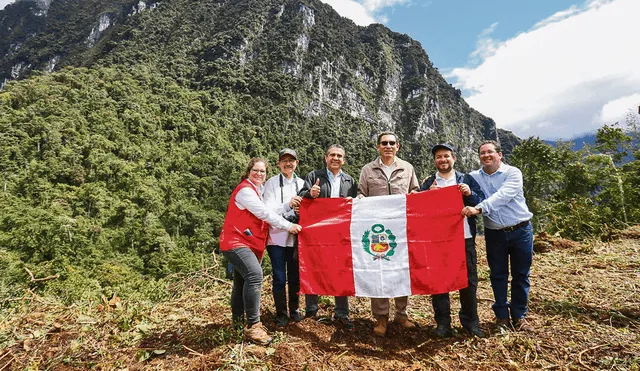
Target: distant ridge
{"type": "Point", "coordinates": [578, 142]}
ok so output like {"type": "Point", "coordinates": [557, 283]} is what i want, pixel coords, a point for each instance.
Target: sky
{"type": "Point", "coordinates": [549, 68]}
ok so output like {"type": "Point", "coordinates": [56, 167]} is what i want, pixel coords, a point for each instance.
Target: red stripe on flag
{"type": "Point", "coordinates": [325, 241]}
{"type": "Point", "coordinates": [436, 241]}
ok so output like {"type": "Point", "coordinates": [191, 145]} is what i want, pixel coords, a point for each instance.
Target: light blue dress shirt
{"type": "Point", "coordinates": [505, 205]}
{"type": "Point", "coordinates": [335, 183]}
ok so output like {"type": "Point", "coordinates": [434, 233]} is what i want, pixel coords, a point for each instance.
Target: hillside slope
{"type": "Point", "coordinates": [296, 54]}
{"type": "Point", "coordinates": [584, 305]}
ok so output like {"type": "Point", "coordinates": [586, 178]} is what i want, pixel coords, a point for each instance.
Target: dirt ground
{"type": "Point", "coordinates": [584, 304]}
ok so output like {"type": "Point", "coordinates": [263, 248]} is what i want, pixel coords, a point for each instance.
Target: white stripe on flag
{"type": "Point", "coordinates": [383, 274]}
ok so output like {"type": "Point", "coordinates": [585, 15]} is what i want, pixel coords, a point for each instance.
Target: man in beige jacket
{"type": "Point", "coordinates": [388, 175]}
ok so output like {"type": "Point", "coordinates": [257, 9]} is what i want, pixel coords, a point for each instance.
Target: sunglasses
{"type": "Point", "coordinates": [391, 143]}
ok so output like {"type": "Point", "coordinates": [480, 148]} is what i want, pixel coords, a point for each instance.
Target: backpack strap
{"type": "Point", "coordinates": [295, 181]}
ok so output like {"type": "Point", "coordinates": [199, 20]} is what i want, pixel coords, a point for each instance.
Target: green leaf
{"type": "Point", "coordinates": [143, 355]}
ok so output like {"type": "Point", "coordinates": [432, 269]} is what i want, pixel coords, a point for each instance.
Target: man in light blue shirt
{"type": "Point", "coordinates": [508, 235]}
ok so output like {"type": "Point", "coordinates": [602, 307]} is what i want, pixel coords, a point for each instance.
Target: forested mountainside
{"type": "Point", "coordinates": [126, 124]}
{"type": "Point", "coordinates": [297, 55]}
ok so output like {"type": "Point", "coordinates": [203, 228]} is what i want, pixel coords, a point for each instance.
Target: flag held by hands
{"type": "Point", "coordinates": [384, 246]}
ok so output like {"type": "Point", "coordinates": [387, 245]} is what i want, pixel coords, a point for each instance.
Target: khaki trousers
{"type": "Point", "coordinates": [380, 306]}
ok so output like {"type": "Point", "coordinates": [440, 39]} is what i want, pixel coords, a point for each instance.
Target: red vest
{"type": "Point", "coordinates": [241, 228]}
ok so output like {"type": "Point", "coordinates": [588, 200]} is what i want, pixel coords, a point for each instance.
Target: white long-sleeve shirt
{"type": "Point", "coordinates": [247, 199]}
{"type": "Point", "coordinates": [277, 199]}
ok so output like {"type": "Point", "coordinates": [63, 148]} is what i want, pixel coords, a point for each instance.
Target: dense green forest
{"type": "Point", "coordinates": [583, 194]}
{"type": "Point", "coordinates": [116, 169]}
{"type": "Point", "coordinates": [114, 178]}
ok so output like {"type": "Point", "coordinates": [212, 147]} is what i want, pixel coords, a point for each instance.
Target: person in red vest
{"type": "Point", "coordinates": [242, 242]}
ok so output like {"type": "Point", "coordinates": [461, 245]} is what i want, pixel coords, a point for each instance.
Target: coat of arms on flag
{"type": "Point", "coordinates": [379, 242]}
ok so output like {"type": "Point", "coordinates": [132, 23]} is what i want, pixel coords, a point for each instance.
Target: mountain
{"type": "Point", "coordinates": [326, 64]}
{"type": "Point", "coordinates": [124, 125]}
{"type": "Point", "coordinates": [579, 142]}
{"type": "Point", "coordinates": [589, 140]}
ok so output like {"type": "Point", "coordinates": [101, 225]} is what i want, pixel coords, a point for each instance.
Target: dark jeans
{"type": "Point", "coordinates": [341, 310]}
{"type": "Point", "coordinates": [284, 266]}
{"type": "Point", "coordinates": [468, 302]}
{"type": "Point", "coordinates": [247, 284]}
{"type": "Point", "coordinates": [514, 247]}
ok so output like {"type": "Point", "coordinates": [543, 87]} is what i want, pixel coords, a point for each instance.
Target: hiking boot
{"type": "Point", "coordinates": [475, 331]}
{"type": "Point", "coordinates": [257, 334]}
{"type": "Point", "coordinates": [295, 316]}
{"type": "Point", "coordinates": [281, 321]}
{"type": "Point", "coordinates": [381, 326]}
{"type": "Point", "coordinates": [294, 303]}
{"type": "Point", "coordinates": [523, 325]}
{"type": "Point", "coordinates": [344, 323]}
{"type": "Point", "coordinates": [443, 331]}
{"type": "Point", "coordinates": [313, 314]}
{"type": "Point", "coordinates": [502, 324]}
{"type": "Point", "coordinates": [280, 300]}
{"type": "Point", "coordinates": [405, 323]}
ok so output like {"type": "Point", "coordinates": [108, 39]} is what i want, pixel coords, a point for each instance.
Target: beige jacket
{"type": "Point", "coordinates": [374, 182]}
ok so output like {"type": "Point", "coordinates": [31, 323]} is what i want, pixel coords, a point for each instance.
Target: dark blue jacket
{"type": "Point", "coordinates": [473, 199]}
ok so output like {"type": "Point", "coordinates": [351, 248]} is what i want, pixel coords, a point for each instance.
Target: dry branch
{"type": "Point", "coordinates": [586, 350]}
{"type": "Point", "coordinates": [33, 279]}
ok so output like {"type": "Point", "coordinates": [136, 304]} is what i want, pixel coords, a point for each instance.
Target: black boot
{"type": "Point", "coordinates": [294, 303]}
{"type": "Point", "coordinates": [280, 299]}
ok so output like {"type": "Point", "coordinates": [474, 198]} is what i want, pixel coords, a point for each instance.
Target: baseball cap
{"type": "Point", "coordinates": [446, 146]}
{"type": "Point", "coordinates": [288, 151]}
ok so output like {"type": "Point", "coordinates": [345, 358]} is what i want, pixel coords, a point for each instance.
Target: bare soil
{"type": "Point", "coordinates": [584, 305]}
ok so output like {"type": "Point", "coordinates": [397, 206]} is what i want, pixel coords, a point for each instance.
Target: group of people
{"type": "Point", "coordinates": [263, 214]}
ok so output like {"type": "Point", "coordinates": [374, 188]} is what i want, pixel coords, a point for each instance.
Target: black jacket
{"type": "Point", "coordinates": [348, 186]}
{"type": "Point", "coordinates": [475, 198]}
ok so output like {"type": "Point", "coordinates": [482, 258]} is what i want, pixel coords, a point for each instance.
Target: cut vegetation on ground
{"type": "Point", "coordinates": [585, 305]}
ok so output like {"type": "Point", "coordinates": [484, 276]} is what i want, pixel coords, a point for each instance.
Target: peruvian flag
{"type": "Point", "coordinates": [383, 246]}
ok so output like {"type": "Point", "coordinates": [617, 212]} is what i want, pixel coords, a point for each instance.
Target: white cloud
{"type": "Point", "coordinates": [559, 16]}
{"type": "Point", "coordinates": [364, 12]}
{"type": "Point", "coordinates": [4, 3]}
{"type": "Point", "coordinates": [353, 10]}
{"type": "Point", "coordinates": [555, 80]}
{"type": "Point", "coordinates": [618, 109]}
{"type": "Point", "coordinates": [486, 46]}
{"type": "Point", "coordinates": [376, 5]}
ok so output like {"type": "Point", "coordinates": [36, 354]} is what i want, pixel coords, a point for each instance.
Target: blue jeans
{"type": "Point", "coordinates": [514, 247]}
{"type": "Point", "coordinates": [247, 284]}
{"type": "Point", "coordinates": [283, 264]}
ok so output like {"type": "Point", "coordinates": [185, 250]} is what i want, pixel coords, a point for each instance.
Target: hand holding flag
{"type": "Point", "coordinates": [386, 246]}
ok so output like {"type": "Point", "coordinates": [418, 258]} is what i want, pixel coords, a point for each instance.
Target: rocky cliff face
{"type": "Point", "coordinates": [294, 53]}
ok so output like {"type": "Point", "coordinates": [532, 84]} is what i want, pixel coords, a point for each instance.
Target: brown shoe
{"type": "Point", "coordinates": [381, 326]}
{"type": "Point", "coordinates": [501, 325]}
{"type": "Point", "coordinates": [523, 325]}
{"type": "Point", "coordinates": [404, 323]}
{"type": "Point", "coordinates": [257, 334]}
